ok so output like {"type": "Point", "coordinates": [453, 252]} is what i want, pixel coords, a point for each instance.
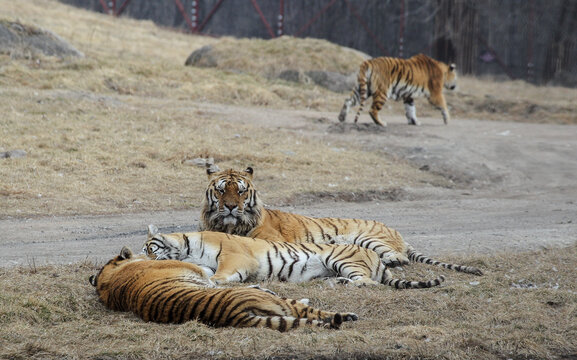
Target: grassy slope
{"type": "Point", "coordinates": [99, 130]}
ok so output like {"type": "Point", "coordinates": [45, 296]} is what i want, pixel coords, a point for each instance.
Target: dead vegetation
{"type": "Point", "coordinates": [110, 133]}
{"type": "Point", "coordinates": [99, 130]}
{"type": "Point", "coordinates": [524, 307]}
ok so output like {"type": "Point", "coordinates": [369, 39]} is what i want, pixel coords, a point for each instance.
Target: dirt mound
{"type": "Point", "coordinates": [26, 41]}
{"type": "Point", "coordinates": [291, 59]}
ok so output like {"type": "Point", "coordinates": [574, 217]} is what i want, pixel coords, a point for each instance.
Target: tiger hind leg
{"type": "Point", "coordinates": [411, 112]}
{"type": "Point", "coordinates": [356, 281]}
{"type": "Point", "coordinates": [379, 100]}
{"type": "Point", "coordinates": [353, 100]}
{"type": "Point", "coordinates": [283, 314]}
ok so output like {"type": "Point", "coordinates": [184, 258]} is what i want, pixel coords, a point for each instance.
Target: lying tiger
{"type": "Point", "coordinates": [176, 291]}
{"type": "Point", "coordinates": [234, 258]}
{"type": "Point", "coordinates": [391, 78]}
{"type": "Point", "coordinates": [232, 205]}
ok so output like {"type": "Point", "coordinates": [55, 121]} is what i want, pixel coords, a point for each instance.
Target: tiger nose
{"type": "Point", "coordinates": [230, 207]}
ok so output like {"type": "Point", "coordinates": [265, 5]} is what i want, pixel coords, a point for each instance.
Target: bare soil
{"type": "Point", "coordinates": [512, 189]}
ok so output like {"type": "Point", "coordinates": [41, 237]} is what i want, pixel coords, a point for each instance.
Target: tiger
{"type": "Point", "coordinates": [393, 78]}
{"type": "Point", "coordinates": [232, 258]}
{"type": "Point", "coordinates": [174, 292]}
{"type": "Point", "coordinates": [231, 205]}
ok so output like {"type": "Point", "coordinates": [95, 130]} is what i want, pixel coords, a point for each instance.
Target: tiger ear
{"type": "Point", "coordinates": [249, 171]}
{"type": "Point", "coordinates": [125, 253]}
{"type": "Point", "coordinates": [452, 67]}
{"type": "Point", "coordinates": [92, 280]}
{"type": "Point", "coordinates": [152, 230]}
{"type": "Point", "coordinates": [211, 170]}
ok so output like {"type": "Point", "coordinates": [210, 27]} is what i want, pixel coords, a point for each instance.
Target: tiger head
{"type": "Point", "coordinates": [450, 76]}
{"type": "Point", "coordinates": [231, 203]}
{"type": "Point", "coordinates": [102, 280]}
{"type": "Point", "coordinates": [164, 246]}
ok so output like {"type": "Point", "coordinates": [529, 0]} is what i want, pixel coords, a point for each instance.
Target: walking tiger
{"type": "Point", "coordinates": [401, 79]}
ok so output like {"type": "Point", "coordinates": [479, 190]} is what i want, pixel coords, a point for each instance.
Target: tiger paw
{"type": "Point", "coordinates": [394, 259]}
{"type": "Point", "coordinates": [364, 282]}
{"type": "Point", "coordinates": [257, 286]}
{"type": "Point", "coordinates": [350, 316]}
{"type": "Point", "coordinates": [341, 280]}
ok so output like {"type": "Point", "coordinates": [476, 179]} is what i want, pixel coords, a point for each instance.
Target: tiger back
{"type": "Point", "coordinates": [386, 78]}
{"type": "Point", "coordinates": [175, 292]}
{"type": "Point", "coordinates": [232, 205]}
{"type": "Point", "coordinates": [238, 259]}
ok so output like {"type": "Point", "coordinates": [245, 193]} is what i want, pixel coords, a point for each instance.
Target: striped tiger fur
{"type": "Point", "coordinates": [234, 258]}
{"type": "Point", "coordinates": [401, 79]}
{"type": "Point", "coordinates": [232, 205]}
{"type": "Point", "coordinates": [175, 292]}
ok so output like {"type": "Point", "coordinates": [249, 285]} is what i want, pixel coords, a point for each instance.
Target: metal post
{"type": "Point", "coordinates": [280, 23]}
{"type": "Point", "coordinates": [183, 12]}
{"type": "Point", "coordinates": [105, 6]}
{"type": "Point", "coordinates": [530, 64]}
{"type": "Point", "coordinates": [207, 18]}
{"type": "Point", "coordinates": [122, 7]}
{"type": "Point", "coordinates": [194, 7]}
{"type": "Point", "coordinates": [262, 18]}
{"type": "Point", "coordinates": [112, 6]}
{"type": "Point", "coordinates": [401, 28]}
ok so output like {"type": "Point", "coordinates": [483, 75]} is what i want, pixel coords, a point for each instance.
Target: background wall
{"type": "Point", "coordinates": [534, 40]}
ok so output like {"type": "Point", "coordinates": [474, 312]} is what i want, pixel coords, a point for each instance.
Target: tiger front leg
{"type": "Point", "coordinates": [438, 101]}
{"type": "Point", "coordinates": [238, 269]}
{"type": "Point", "coordinates": [394, 259]}
{"type": "Point", "coordinates": [358, 281]}
{"type": "Point", "coordinates": [378, 102]}
{"type": "Point", "coordinates": [411, 112]}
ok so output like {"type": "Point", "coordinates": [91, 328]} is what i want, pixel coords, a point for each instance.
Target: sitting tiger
{"type": "Point", "coordinates": [237, 258]}
{"type": "Point", "coordinates": [232, 205]}
{"type": "Point", "coordinates": [392, 78]}
{"type": "Point", "coordinates": [175, 292]}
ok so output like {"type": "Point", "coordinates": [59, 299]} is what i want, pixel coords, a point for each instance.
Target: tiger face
{"type": "Point", "coordinates": [162, 247]}
{"type": "Point", "coordinates": [451, 77]}
{"type": "Point", "coordinates": [231, 200]}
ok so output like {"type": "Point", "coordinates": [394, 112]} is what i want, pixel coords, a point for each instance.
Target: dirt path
{"type": "Point", "coordinates": [515, 189]}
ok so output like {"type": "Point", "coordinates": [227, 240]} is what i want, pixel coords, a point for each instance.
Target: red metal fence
{"type": "Point", "coordinates": [528, 39]}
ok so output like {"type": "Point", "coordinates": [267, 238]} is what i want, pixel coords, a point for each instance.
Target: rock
{"type": "Point", "coordinates": [328, 79]}
{"type": "Point", "coordinates": [200, 162]}
{"type": "Point", "coordinates": [332, 80]}
{"type": "Point", "coordinates": [20, 40]}
{"type": "Point", "coordinates": [13, 154]}
{"type": "Point", "coordinates": [201, 57]}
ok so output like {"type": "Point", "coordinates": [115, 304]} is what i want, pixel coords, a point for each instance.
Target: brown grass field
{"type": "Point", "coordinates": [108, 134]}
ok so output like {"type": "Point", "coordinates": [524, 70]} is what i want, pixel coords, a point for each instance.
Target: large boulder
{"type": "Point", "coordinates": [20, 40]}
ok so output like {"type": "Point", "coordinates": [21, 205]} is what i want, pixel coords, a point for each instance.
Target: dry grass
{"type": "Point", "coordinates": [525, 307]}
{"type": "Point", "coordinates": [268, 58]}
{"type": "Point", "coordinates": [108, 133]}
